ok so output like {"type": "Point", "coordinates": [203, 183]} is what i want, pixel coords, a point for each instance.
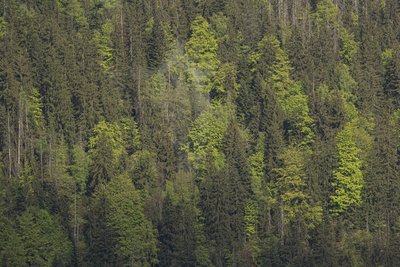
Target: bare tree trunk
{"type": "Point", "coordinates": [282, 235]}
{"type": "Point", "coordinates": [9, 145]}
{"type": "Point", "coordinates": [139, 100]}
{"type": "Point", "coordinates": [355, 4]}
{"type": "Point", "coordinates": [41, 154]}
{"type": "Point", "coordinates": [26, 150]}
{"type": "Point", "coordinates": [50, 156]}
{"type": "Point", "coordinates": [269, 219]}
{"type": "Point", "coordinates": [19, 137]}
{"type": "Point", "coordinates": [122, 24]}
{"type": "Point", "coordinates": [75, 221]}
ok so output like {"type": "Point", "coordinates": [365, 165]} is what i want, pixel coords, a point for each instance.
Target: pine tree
{"type": "Point", "coordinates": [134, 235]}
{"type": "Point", "coordinates": [106, 150]}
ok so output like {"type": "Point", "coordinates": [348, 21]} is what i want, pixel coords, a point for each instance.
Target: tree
{"type": "Point", "coordinates": [391, 83]}
{"type": "Point", "coordinates": [102, 40]}
{"type": "Point", "coordinates": [74, 10]}
{"type": "Point", "coordinates": [43, 241]}
{"type": "Point", "coordinates": [348, 176]}
{"type": "Point", "coordinates": [293, 101]}
{"type": "Point", "coordinates": [201, 50]}
{"type": "Point", "coordinates": [206, 136]}
{"type": "Point", "coordinates": [2, 27]}
{"type": "Point", "coordinates": [182, 231]}
{"type": "Point", "coordinates": [106, 148]}
{"type": "Point", "coordinates": [135, 242]}
{"type": "Point", "coordinates": [291, 192]}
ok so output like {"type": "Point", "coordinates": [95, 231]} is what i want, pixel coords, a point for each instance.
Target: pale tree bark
{"type": "Point", "coordinates": [9, 145]}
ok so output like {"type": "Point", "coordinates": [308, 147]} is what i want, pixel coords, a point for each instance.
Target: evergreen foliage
{"type": "Point", "coordinates": [199, 133]}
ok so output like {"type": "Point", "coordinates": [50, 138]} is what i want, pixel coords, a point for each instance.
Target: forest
{"type": "Point", "coordinates": [200, 133]}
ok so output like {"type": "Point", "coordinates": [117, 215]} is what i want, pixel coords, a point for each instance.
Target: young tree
{"type": "Point", "coordinates": [201, 49]}
{"type": "Point", "coordinates": [206, 137]}
{"type": "Point", "coordinates": [106, 148]}
{"type": "Point", "coordinates": [348, 176]}
{"type": "Point", "coordinates": [134, 236]}
{"type": "Point", "coordinates": [291, 192]}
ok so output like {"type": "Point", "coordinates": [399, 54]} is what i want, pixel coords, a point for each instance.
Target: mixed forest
{"type": "Point", "coordinates": [199, 133]}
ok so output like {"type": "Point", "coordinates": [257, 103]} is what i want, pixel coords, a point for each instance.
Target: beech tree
{"type": "Point", "coordinates": [348, 176]}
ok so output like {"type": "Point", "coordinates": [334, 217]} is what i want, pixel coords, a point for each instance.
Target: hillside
{"type": "Point", "coordinates": [199, 133]}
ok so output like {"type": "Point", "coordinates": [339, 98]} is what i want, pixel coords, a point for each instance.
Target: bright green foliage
{"type": "Point", "coordinates": [225, 81]}
{"type": "Point", "coordinates": [292, 192]}
{"type": "Point", "coordinates": [257, 165]}
{"type": "Point", "coordinates": [225, 125]}
{"type": "Point", "coordinates": [387, 56]}
{"type": "Point", "coordinates": [43, 241]}
{"type": "Point", "coordinates": [130, 134]}
{"type": "Point", "coordinates": [102, 40]}
{"type": "Point", "coordinates": [348, 176]}
{"type": "Point", "coordinates": [35, 108]}
{"type": "Point", "coordinates": [349, 46]}
{"type": "Point", "coordinates": [206, 136]}
{"type": "Point", "coordinates": [2, 27]}
{"type": "Point", "coordinates": [110, 133]}
{"type": "Point", "coordinates": [327, 14]}
{"type": "Point", "coordinates": [292, 99]}
{"type": "Point", "coordinates": [134, 234]}
{"type": "Point", "coordinates": [106, 147]}
{"type": "Point", "coordinates": [250, 218]}
{"type": "Point", "coordinates": [201, 49]}
{"type": "Point", "coordinates": [73, 9]}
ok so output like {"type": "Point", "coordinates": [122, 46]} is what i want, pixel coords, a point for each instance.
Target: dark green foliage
{"type": "Point", "coordinates": [199, 133]}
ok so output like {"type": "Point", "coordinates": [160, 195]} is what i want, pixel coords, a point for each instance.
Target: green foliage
{"type": "Point", "coordinates": [201, 49]}
{"type": "Point", "coordinates": [248, 133]}
{"type": "Point", "coordinates": [35, 109]}
{"type": "Point", "coordinates": [43, 241]}
{"type": "Point", "coordinates": [182, 189]}
{"type": "Point", "coordinates": [348, 176]}
{"type": "Point", "coordinates": [73, 9]}
{"type": "Point", "coordinates": [80, 167]}
{"type": "Point", "coordinates": [102, 40]}
{"type": "Point", "coordinates": [292, 99]}
{"type": "Point", "coordinates": [346, 81]}
{"type": "Point", "coordinates": [2, 27]}
{"type": "Point", "coordinates": [106, 148]}
{"type": "Point", "coordinates": [349, 46]}
{"type": "Point", "coordinates": [143, 170]}
{"type": "Point", "coordinates": [257, 166]}
{"type": "Point", "coordinates": [109, 133]}
{"type": "Point", "coordinates": [291, 188]}
{"type": "Point", "coordinates": [250, 218]}
{"type": "Point", "coordinates": [206, 136]}
{"type": "Point", "coordinates": [134, 234]}
{"type": "Point", "coordinates": [327, 14]}
{"type": "Point", "coordinates": [387, 56]}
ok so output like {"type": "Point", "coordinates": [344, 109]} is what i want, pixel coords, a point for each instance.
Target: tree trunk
{"type": "Point", "coordinates": [282, 223]}
{"type": "Point", "coordinates": [9, 145]}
